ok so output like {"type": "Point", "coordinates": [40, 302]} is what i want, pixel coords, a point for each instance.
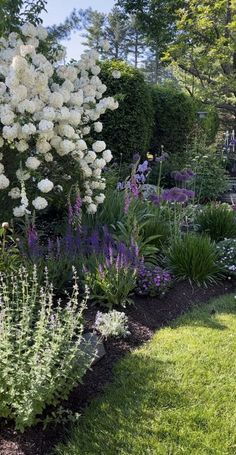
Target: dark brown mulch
{"type": "Point", "coordinates": [145, 316]}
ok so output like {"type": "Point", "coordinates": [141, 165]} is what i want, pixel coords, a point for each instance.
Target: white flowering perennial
{"type": "Point", "coordinates": [46, 112]}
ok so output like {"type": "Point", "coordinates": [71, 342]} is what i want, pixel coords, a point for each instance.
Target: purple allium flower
{"type": "Point", "coordinates": [155, 199]}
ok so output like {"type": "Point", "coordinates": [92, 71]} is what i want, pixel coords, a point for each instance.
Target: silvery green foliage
{"type": "Point", "coordinates": [113, 323]}
{"type": "Point", "coordinates": [40, 340]}
{"type": "Point", "coordinates": [49, 111]}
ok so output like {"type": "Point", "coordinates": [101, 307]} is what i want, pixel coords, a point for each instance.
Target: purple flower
{"type": "Point", "coordinates": [155, 199]}
{"type": "Point", "coordinates": [143, 167]}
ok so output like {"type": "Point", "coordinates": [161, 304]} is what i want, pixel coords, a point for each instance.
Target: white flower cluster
{"type": "Point", "coordinates": [46, 111]}
{"type": "Point", "coordinates": [114, 323]}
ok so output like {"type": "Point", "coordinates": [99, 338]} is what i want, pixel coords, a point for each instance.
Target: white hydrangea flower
{"type": "Point", "coordinates": [92, 208]}
{"type": "Point", "coordinates": [19, 211]}
{"type": "Point", "coordinates": [32, 163]}
{"type": "Point", "coordinates": [99, 163]}
{"type": "Point", "coordinates": [4, 182]}
{"type": "Point", "coordinates": [98, 126]}
{"type": "Point", "coordinates": [45, 185]}
{"type": "Point", "coordinates": [107, 156]}
{"type": "Point", "coordinates": [40, 203]}
{"type": "Point", "coordinates": [100, 198]}
{"type": "Point", "coordinates": [99, 146]}
{"type": "Point", "coordinates": [15, 193]}
{"type": "Point", "coordinates": [116, 74]}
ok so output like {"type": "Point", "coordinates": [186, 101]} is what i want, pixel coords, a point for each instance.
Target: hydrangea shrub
{"type": "Point", "coordinates": [48, 114]}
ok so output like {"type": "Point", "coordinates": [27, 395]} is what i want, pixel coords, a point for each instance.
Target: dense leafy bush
{"type": "Point", "coordinates": [174, 119]}
{"type": "Point", "coordinates": [194, 257]}
{"type": "Point", "coordinates": [227, 255]}
{"type": "Point", "coordinates": [129, 129]}
{"type": "Point", "coordinates": [217, 221]}
{"type": "Point", "coordinates": [41, 357]}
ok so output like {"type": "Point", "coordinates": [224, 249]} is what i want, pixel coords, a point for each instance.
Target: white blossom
{"type": "Point", "coordinates": [45, 186]}
{"type": "Point", "coordinates": [40, 203]}
{"type": "Point", "coordinates": [32, 163]}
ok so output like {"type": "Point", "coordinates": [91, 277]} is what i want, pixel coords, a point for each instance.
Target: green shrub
{"type": "Point", "coordinates": [194, 257]}
{"type": "Point", "coordinates": [227, 255]}
{"type": "Point", "coordinates": [217, 221]}
{"type": "Point", "coordinates": [127, 130]}
{"type": "Point", "coordinates": [41, 358]}
{"type": "Point", "coordinates": [175, 117]}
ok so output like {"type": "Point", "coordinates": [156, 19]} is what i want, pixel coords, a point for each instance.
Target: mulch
{"type": "Point", "coordinates": [145, 316]}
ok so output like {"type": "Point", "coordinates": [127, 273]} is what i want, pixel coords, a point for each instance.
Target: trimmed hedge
{"type": "Point", "coordinates": [175, 117]}
{"type": "Point", "coordinates": [127, 130]}
{"type": "Point", "coordinates": [150, 115]}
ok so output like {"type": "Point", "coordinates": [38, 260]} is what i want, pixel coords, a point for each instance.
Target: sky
{"type": "Point", "coordinates": [57, 11]}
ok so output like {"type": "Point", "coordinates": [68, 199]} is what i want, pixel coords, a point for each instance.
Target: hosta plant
{"type": "Point", "coordinates": [42, 351]}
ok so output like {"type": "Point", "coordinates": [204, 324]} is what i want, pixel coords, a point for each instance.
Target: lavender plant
{"type": "Point", "coordinates": [42, 351]}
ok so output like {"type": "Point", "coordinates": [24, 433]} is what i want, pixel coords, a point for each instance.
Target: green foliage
{"type": "Point", "coordinates": [217, 221]}
{"type": "Point", "coordinates": [41, 356]}
{"type": "Point", "coordinates": [135, 228]}
{"type": "Point", "coordinates": [112, 283]}
{"type": "Point", "coordinates": [15, 12]}
{"type": "Point", "coordinates": [211, 176]}
{"type": "Point", "coordinates": [227, 255]}
{"type": "Point", "coordinates": [204, 51]}
{"type": "Point", "coordinates": [194, 257]}
{"type": "Point", "coordinates": [174, 119]}
{"type": "Point", "coordinates": [127, 130]}
{"type": "Point", "coordinates": [156, 227]}
{"type": "Point", "coordinates": [175, 395]}
{"type": "Point", "coordinates": [9, 253]}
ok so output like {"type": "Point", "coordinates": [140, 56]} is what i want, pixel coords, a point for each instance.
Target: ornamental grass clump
{"type": "Point", "coordinates": [194, 258]}
{"type": "Point", "coordinates": [42, 350]}
{"type": "Point", "coordinates": [217, 221]}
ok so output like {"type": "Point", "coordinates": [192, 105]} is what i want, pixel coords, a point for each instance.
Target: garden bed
{"type": "Point", "coordinates": [147, 315]}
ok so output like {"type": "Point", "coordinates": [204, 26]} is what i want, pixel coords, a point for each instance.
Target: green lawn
{"type": "Point", "coordinates": [176, 395]}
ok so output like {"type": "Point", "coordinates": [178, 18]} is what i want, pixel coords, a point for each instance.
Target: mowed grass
{"type": "Point", "coordinates": [176, 395]}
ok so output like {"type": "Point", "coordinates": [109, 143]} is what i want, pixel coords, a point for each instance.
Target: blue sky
{"type": "Point", "coordinates": [59, 10]}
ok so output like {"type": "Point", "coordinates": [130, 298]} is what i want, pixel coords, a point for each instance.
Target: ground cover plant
{"type": "Point", "coordinates": [174, 395]}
